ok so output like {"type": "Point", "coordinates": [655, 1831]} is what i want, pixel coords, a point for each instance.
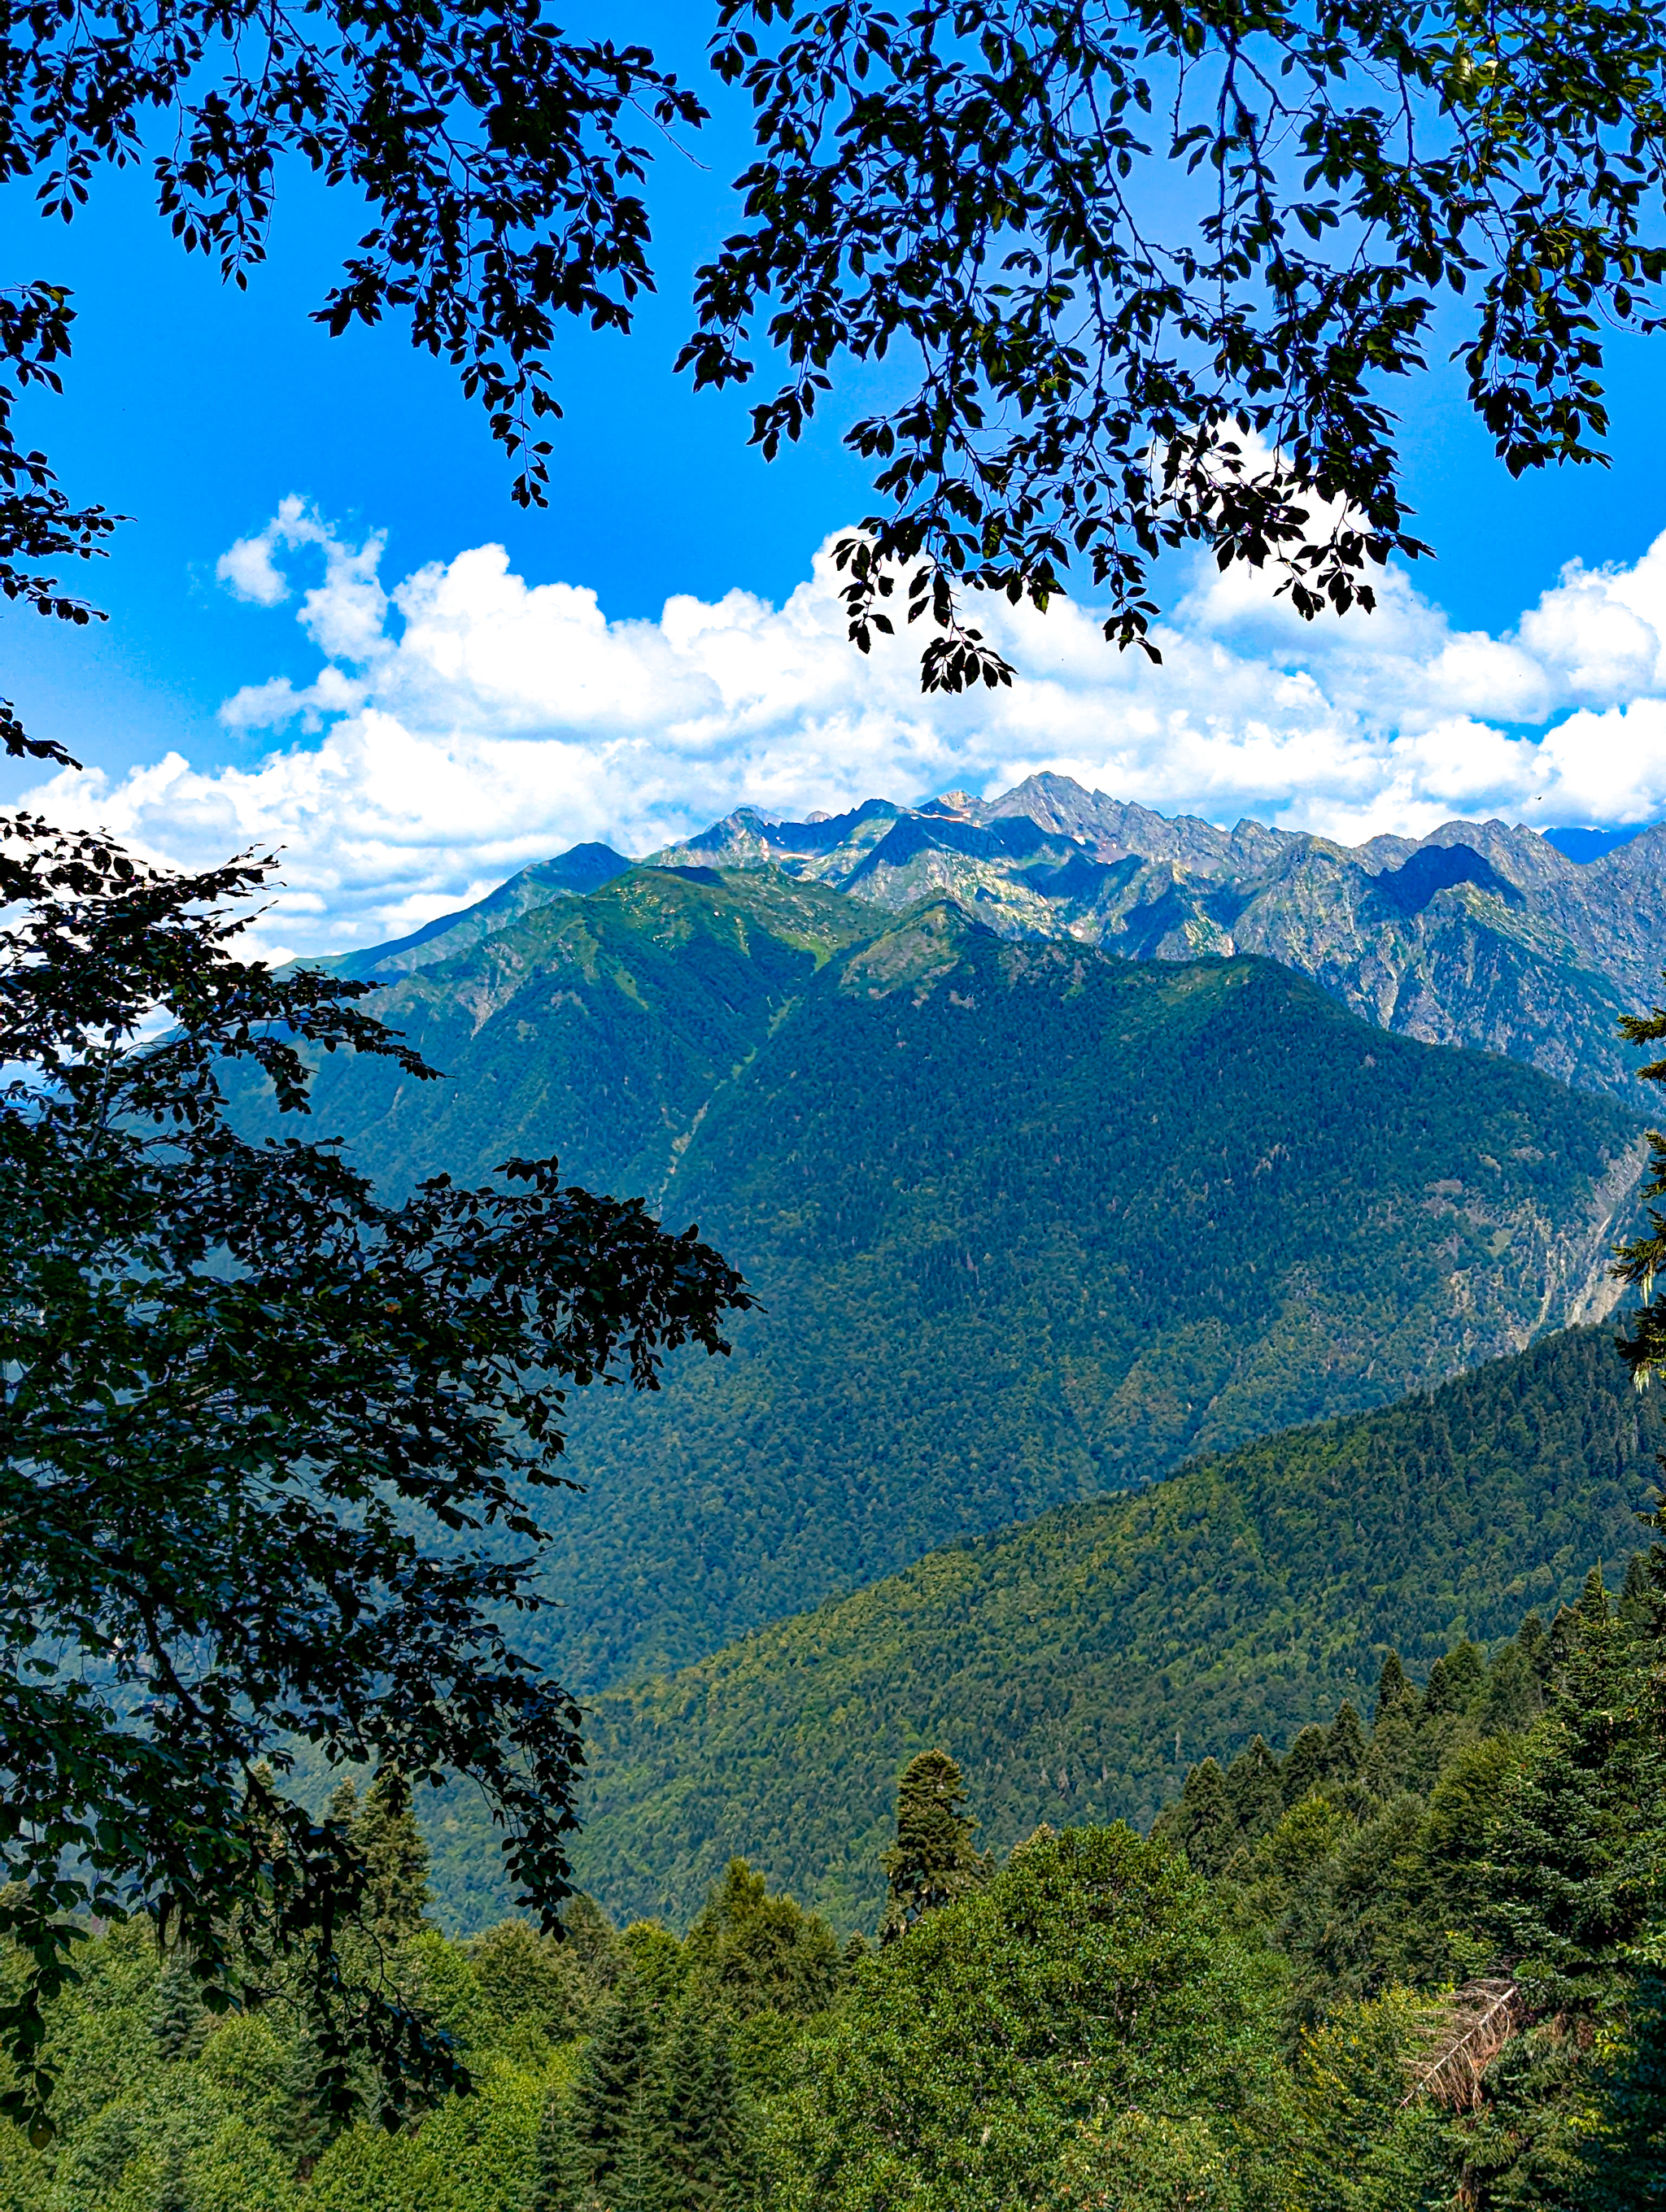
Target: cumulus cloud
{"type": "Point", "coordinates": [471, 721]}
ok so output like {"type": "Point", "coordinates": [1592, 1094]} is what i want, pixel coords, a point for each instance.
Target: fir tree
{"type": "Point", "coordinates": [933, 1861]}
{"type": "Point", "coordinates": [1455, 1681]}
{"type": "Point", "coordinates": [176, 2011]}
{"type": "Point", "coordinates": [559, 2179]}
{"type": "Point", "coordinates": [1563, 1636]}
{"type": "Point", "coordinates": [1202, 1822]}
{"type": "Point", "coordinates": [173, 2191]}
{"type": "Point", "coordinates": [616, 2120]}
{"type": "Point", "coordinates": [702, 2153]}
{"type": "Point", "coordinates": [1637, 1597]}
{"type": "Point", "coordinates": [397, 1896]}
{"type": "Point", "coordinates": [1253, 1791]}
{"type": "Point", "coordinates": [759, 1953]}
{"type": "Point", "coordinates": [1394, 1692]}
{"type": "Point", "coordinates": [1512, 1699]}
{"type": "Point", "coordinates": [1566, 1889]}
{"type": "Point", "coordinates": [1626, 2170]}
{"type": "Point", "coordinates": [1593, 1606]}
{"type": "Point", "coordinates": [1306, 1765]}
{"type": "Point", "coordinates": [1533, 1641]}
{"type": "Point", "coordinates": [1346, 1752]}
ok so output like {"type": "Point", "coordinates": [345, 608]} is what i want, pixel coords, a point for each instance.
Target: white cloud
{"type": "Point", "coordinates": [473, 722]}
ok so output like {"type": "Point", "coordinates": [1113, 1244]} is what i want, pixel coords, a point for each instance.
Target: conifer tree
{"type": "Point", "coordinates": [1307, 1766]}
{"type": "Point", "coordinates": [173, 2191]}
{"type": "Point", "coordinates": [1202, 1821]}
{"type": "Point", "coordinates": [756, 1952]}
{"type": "Point", "coordinates": [703, 2128]}
{"type": "Point", "coordinates": [1593, 1604]}
{"type": "Point", "coordinates": [617, 2119]}
{"type": "Point", "coordinates": [1253, 1792]}
{"type": "Point", "coordinates": [1637, 1597]}
{"type": "Point", "coordinates": [1533, 1641]}
{"type": "Point", "coordinates": [1455, 1680]}
{"type": "Point", "coordinates": [1394, 1691]}
{"type": "Point", "coordinates": [1392, 1765]}
{"type": "Point", "coordinates": [1566, 1889]}
{"type": "Point", "coordinates": [1512, 1699]}
{"type": "Point", "coordinates": [397, 1894]}
{"type": "Point", "coordinates": [1626, 2171]}
{"type": "Point", "coordinates": [1346, 1750]}
{"type": "Point", "coordinates": [176, 2011]}
{"type": "Point", "coordinates": [933, 1861]}
{"type": "Point", "coordinates": [1564, 1634]}
{"type": "Point", "coordinates": [559, 2179]}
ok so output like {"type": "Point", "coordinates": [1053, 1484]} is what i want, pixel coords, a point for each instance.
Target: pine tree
{"type": "Point", "coordinates": [397, 1894]}
{"type": "Point", "coordinates": [559, 2179]}
{"type": "Point", "coordinates": [617, 2119]}
{"type": "Point", "coordinates": [933, 1861]}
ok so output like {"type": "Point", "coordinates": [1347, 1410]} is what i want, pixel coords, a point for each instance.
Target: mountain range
{"type": "Point", "coordinates": [1080, 1160]}
{"type": "Point", "coordinates": [1478, 934]}
{"type": "Point", "coordinates": [1029, 1222]}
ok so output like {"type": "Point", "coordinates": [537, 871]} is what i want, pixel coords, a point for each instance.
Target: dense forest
{"type": "Point", "coordinates": [1029, 1222]}
{"type": "Point", "coordinates": [1418, 1958]}
{"type": "Point", "coordinates": [1078, 1663]}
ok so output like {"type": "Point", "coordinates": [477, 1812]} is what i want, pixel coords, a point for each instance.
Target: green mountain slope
{"type": "Point", "coordinates": [1076, 1666]}
{"type": "Point", "coordinates": [599, 1027]}
{"type": "Point", "coordinates": [1029, 1222]}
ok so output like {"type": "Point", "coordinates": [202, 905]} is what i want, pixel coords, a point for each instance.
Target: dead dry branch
{"type": "Point", "coordinates": [1464, 2035]}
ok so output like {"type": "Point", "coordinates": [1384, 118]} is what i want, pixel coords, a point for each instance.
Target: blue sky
{"type": "Point", "coordinates": [196, 411]}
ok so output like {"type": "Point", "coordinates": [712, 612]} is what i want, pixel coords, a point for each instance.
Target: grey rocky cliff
{"type": "Point", "coordinates": [1479, 934]}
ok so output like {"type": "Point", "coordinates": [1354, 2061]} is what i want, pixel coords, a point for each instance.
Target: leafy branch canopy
{"type": "Point", "coordinates": [1133, 273]}
{"type": "Point", "coordinates": [268, 1450]}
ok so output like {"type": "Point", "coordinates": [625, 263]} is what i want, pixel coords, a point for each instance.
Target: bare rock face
{"type": "Point", "coordinates": [1479, 934]}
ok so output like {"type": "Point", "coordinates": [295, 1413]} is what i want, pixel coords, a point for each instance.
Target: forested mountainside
{"type": "Point", "coordinates": [1076, 1667]}
{"type": "Point", "coordinates": [1029, 1222]}
{"type": "Point", "coordinates": [1415, 1960]}
{"type": "Point", "coordinates": [1479, 934]}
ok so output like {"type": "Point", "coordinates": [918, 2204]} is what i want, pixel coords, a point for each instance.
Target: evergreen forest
{"type": "Point", "coordinates": [1285, 1995]}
